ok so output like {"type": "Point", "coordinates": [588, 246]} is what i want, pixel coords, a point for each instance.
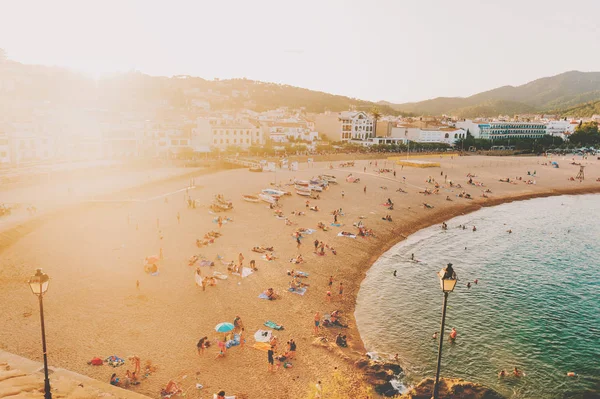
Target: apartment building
{"type": "Point", "coordinates": [220, 132]}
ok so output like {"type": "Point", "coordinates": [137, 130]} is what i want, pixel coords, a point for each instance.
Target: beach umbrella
{"type": "Point", "coordinates": [224, 327]}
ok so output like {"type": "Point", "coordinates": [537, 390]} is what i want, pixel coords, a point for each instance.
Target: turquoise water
{"type": "Point", "coordinates": [536, 305]}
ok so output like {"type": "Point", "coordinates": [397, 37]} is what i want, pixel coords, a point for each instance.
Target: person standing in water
{"type": "Point", "coordinates": [412, 256]}
{"type": "Point", "coordinates": [394, 273]}
{"type": "Point", "coordinates": [453, 334]}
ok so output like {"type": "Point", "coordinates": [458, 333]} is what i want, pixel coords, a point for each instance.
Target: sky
{"type": "Point", "coordinates": [393, 50]}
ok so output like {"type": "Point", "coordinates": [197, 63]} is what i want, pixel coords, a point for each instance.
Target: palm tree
{"type": "Point", "coordinates": [376, 115]}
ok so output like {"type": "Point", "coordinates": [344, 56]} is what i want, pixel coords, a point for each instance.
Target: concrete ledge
{"type": "Point", "coordinates": [24, 378]}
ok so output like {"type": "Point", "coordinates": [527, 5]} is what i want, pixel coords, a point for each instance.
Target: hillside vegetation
{"type": "Point", "coordinates": [562, 91]}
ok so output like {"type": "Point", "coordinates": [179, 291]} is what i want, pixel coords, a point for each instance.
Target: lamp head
{"type": "Point", "coordinates": [39, 282]}
{"type": "Point", "coordinates": [448, 278]}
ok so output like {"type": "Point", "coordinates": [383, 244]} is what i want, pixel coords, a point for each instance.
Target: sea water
{"type": "Point", "coordinates": [536, 305]}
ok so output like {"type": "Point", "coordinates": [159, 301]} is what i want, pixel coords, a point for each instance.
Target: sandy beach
{"type": "Point", "coordinates": [94, 254]}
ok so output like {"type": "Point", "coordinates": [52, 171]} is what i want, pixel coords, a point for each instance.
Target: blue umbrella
{"type": "Point", "coordinates": [224, 327]}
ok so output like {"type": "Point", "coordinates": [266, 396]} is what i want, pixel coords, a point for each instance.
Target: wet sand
{"type": "Point", "coordinates": [95, 256]}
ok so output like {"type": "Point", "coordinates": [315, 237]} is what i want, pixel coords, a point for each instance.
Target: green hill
{"type": "Point", "coordinates": [556, 92]}
{"type": "Point", "coordinates": [586, 110]}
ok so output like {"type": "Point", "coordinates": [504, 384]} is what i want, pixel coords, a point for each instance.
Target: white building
{"type": "Point", "coordinates": [470, 127]}
{"type": "Point", "coordinates": [444, 135]}
{"type": "Point", "coordinates": [344, 126]}
{"type": "Point", "coordinates": [222, 133]}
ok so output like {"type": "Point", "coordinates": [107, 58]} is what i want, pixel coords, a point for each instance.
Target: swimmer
{"type": "Point", "coordinates": [502, 374]}
{"type": "Point", "coordinates": [434, 336]}
{"type": "Point", "coordinates": [469, 285]}
{"type": "Point", "coordinates": [394, 273]}
{"type": "Point", "coordinates": [517, 373]}
{"type": "Point", "coordinates": [474, 228]}
{"type": "Point", "coordinates": [412, 256]}
{"type": "Point", "coordinates": [509, 231]}
{"type": "Point", "coordinates": [453, 334]}
{"type": "Point", "coordinates": [571, 374]}
{"type": "Point", "coordinates": [475, 281]}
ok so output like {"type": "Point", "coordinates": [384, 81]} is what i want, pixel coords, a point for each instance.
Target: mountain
{"type": "Point", "coordinates": [25, 87]}
{"type": "Point", "coordinates": [556, 92]}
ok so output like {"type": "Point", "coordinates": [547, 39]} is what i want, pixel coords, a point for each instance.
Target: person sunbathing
{"type": "Point", "coordinates": [258, 249]}
{"type": "Point", "coordinates": [426, 205]}
{"type": "Point", "coordinates": [270, 256]}
{"type": "Point", "coordinates": [193, 260]}
{"type": "Point", "coordinates": [314, 208]}
{"type": "Point", "coordinates": [171, 389]}
{"type": "Point", "coordinates": [271, 294]}
{"type": "Point", "coordinates": [400, 190]}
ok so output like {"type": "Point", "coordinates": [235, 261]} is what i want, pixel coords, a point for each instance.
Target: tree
{"type": "Point", "coordinates": [376, 115]}
{"type": "Point", "coordinates": [586, 134]}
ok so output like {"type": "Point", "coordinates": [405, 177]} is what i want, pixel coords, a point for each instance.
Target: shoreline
{"type": "Point", "coordinates": [439, 217]}
{"type": "Point", "coordinates": [354, 259]}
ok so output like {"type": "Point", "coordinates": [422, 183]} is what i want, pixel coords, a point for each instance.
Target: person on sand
{"type": "Point", "coordinates": [291, 348]}
{"type": "Point", "coordinates": [328, 296]}
{"type": "Point", "coordinates": [222, 350]}
{"type": "Point", "coordinates": [241, 259]}
{"type": "Point", "coordinates": [221, 395]}
{"type": "Point", "coordinates": [365, 189]}
{"type": "Point", "coordinates": [201, 345]}
{"type": "Point", "coordinates": [137, 284]}
{"type": "Point", "coordinates": [316, 245]}
{"type": "Point", "coordinates": [178, 218]}
{"type": "Point", "coordinates": [220, 221]}
{"type": "Point", "coordinates": [343, 194]}
{"type": "Point", "coordinates": [114, 380]}
{"type": "Point", "coordinates": [238, 324]}
{"type": "Point", "coordinates": [242, 337]}
{"type": "Point", "coordinates": [341, 291]}
{"type": "Point", "coordinates": [270, 359]}
{"type": "Point", "coordinates": [317, 322]}
{"type": "Point", "coordinates": [318, 390]}
{"type": "Point", "coordinates": [298, 242]}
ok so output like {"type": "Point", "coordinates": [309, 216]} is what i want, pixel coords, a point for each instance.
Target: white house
{"type": "Point", "coordinates": [469, 126]}
{"type": "Point", "coordinates": [444, 135]}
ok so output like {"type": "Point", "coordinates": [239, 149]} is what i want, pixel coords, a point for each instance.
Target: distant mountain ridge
{"type": "Point", "coordinates": [558, 92]}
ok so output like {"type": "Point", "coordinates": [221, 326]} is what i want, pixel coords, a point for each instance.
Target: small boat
{"type": "Point", "coordinates": [273, 192]}
{"type": "Point", "coordinates": [250, 198]}
{"type": "Point", "coordinates": [305, 193]}
{"type": "Point", "coordinates": [314, 187]}
{"type": "Point", "coordinates": [267, 198]}
{"type": "Point", "coordinates": [329, 178]}
{"type": "Point", "coordinates": [303, 183]}
{"type": "Point", "coordinates": [302, 188]}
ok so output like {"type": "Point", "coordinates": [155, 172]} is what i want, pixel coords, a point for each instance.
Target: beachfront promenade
{"type": "Point", "coordinates": [95, 254]}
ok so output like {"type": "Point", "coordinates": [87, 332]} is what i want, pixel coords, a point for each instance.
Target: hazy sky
{"type": "Point", "coordinates": [395, 50]}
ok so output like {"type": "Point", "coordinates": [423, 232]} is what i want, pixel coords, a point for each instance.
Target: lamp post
{"type": "Point", "coordinates": [448, 281]}
{"type": "Point", "coordinates": [39, 285]}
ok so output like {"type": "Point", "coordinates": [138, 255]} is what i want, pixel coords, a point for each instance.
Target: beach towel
{"type": "Point", "coordinates": [206, 262]}
{"type": "Point", "coordinates": [198, 279]}
{"type": "Point", "coordinates": [265, 258]}
{"type": "Point", "coordinates": [308, 231]}
{"type": "Point", "coordinates": [344, 235]}
{"type": "Point", "coordinates": [299, 291]}
{"type": "Point", "coordinates": [336, 224]}
{"type": "Point", "coordinates": [273, 325]}
{"type": "Point", "coordinates": [114, 361]}
{"type": "Point", "coordinates": [262, 346]}
{"type": "Point", "coordinates": [226, 397]}
{"type": "Point", "coordinates": [246, 271]}
{"type": "Point", "coordinates": [263, 335]}
{"type": "Point", "coordinates": [263, 296]}
{"type": "Point", "coordinates": [220, 275]}
{"type": "Point", "coordinates": [300, 273]}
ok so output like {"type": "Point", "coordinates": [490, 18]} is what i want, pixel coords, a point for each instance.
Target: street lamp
{"type": "Point", "coordinates": [448, 281]}
{"type": "Point", "coordinates": [39, 285]}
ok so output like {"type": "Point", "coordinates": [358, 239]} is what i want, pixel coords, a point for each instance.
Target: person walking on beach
{"type": "Point", "coordinates": [317, 322]}
{"type": "Point", "coordinates": [270, 354]}
{"type": "Point", "coordinates": [342, 194]}
{"type": "Point", "coordinates": [178, 218]}
{"type": "Point", "coordinates": [316, 245]}
{"type": "Point", "coordinates": [241, 259]}
{"type": "Point", "coordinates": [330, 282]}
{"type": "Point", "coordinates": [341, 291]}
{"type": "Point", "coordinates": [365, 189]}
{"type": "Point", "coordinates": [318, 390]}
{"type": "Point", "coordinates": [298, 242]}
{"type": "Point", "coordinates": [220, 221]}
{"type": "Point", "coordinates": [328, 296]}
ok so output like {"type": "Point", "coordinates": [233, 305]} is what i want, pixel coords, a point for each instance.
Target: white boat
{"type": "Point", "coordinates": [250, 198]}
{"type": "Point", "coordinates": [303, 183]}
{"type": "Point", "coordinates": [314, 187]}
{"type": "Point", "coordinates": [274, 192]}
{"type": "Point", "coordinates": [305, 193]}
{"type": "Point", "coordinates": [329, 178]}
{"type": "Point", "coordinates": [267, 198]}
